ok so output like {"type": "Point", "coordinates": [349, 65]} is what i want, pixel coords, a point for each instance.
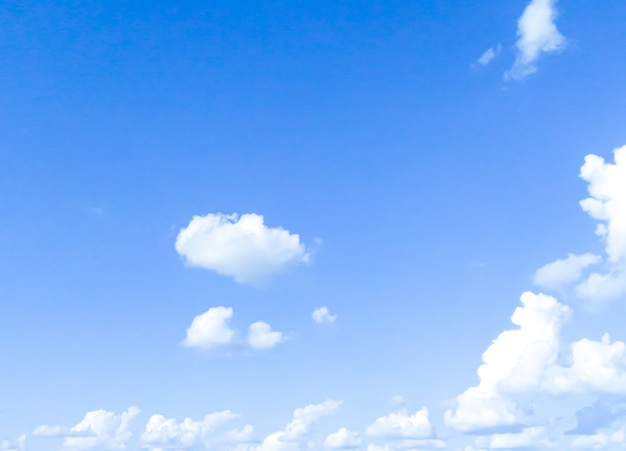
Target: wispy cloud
{"type": "Point", "coordinates": [537, 35]}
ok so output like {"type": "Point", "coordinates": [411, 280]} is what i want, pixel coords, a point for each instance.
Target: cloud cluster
{"type": "Point", "coordinates": [162, 433]}
{"type": "Point", "coordinates": [99, 429]}
{"type": "Point", "coordinates": [537, 35]}
{"type": "Point", "coordinates": [243, 248]}
{"type": "Point", "coordinates": [211, 330]}
{"type": "Point", "coordinates": [527, 360]}
{"type": "Point", "coordinates": [18, 445]}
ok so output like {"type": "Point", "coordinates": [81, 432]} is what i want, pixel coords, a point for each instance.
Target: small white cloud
{"type": "Point", "coordinates": [529, 438]}
{"type": "Point", "coordinates": [487, 57]}
{"type": "Point", "coordinates": [401, 425]}
{"type": "Point", "coordinates": [322, 315]}
{"type": "Point", "coordinates": [163, 433]}
{"type": "Point", "coordinates": [240, 247]}
{"type": "Point", "coordinates": [565, 271]}
{"type": "Point", "coordinates": [295, 433]}
{"type": "Point", "coordinates": [49, 431]}
{"type": "Point", "coordinates": [397, 399]}
{"type": "Point", "coordinates": [211, 329]}
{"type": "Point", "coordinates": [98, 429]}
{"type": "Point", "coordinates": [537, 35]}
{"type": "Point", "coordinates": [261, 336]}
{"type": "Point", "coordinates": [18, 445]}
{"type": "Point", "coordinates": [342, 439]}
{"type": "Point", "coordinates": [600, 440]}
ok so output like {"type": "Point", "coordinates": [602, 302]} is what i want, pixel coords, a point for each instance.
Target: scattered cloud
{"type": "Point", "coordinates": [529, 438]}
{"type": "Point", "coordinates": [342, 439]}
{"type": "Point", "coordinates": [537, 35]}
{"type": "Point", "coordinates": [98, 429]}
{"type": "Point", "coordinates": [18, 445]}
{"type": "Point", "coordinates": [322, 316]}
{"type": "Point", "coordinates": [401, 425]}
{"type": "Point", "coordinates": [297, 430]}
{"type": "Point", "coordinates": [261, 336]}
{"type": "Point", "coordinates": [162, 433]}
{"type": "Point", "coordinates": [488, 56]}
{"type": "Point", "coordinates": [211, 329]}
{"type": "Point", "coordinates": [243, 248]}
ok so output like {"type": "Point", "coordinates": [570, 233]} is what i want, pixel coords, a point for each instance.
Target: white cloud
{"type": "Point", "coordinates": [407, 445]}
{"type": "Point", "coordinates": [489, 55]}
{"type": "Point", "coordinates": [537, 35]}
{"type": "Point", "coordinates": [401, 425]}
{"type": "Point", "coordinates": [397, 399]}
{"type": "Point", "coordinates": [600, 440]}
{"type": "Point", "coordinates": [49, 431]}
{"type": "Point", "coordinates": [240, 247]}
{"type": "Point", "coordinates": [211, 329]}
{"type": "Point", "coordinates": [322, 315]}
{"type": "Point", "coordinates": [517, 358]}
{"type": "Point", "coordinates": [261, 336]}
{"type": "Point", "coordinates": [607, 203]}
{"type": "Point", "coordinates": [18, 445]}
{"type": "Point", "coordinates": [98, 429]}
{"type": "Point", "coordinates": [532, 437]}
{"type": "Point", "coordinates": [296, 431]}
{"type": "Point", "coordinates": [527, 360]}
{"type": "Point", "coordinates": [565, 271]}
{"type": "Point", "coordinates": [342, 439]}
{"type": "Point", "coordinates": [162, 433]}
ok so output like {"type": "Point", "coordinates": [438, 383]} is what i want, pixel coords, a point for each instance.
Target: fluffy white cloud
{"type": "Point", "coordinates": [526, 360]}
{"type": "Point", "coordinates": [601, 440]}
{"type": "Point", "coordinates": [401, 425]}
{"type": "Point", "coordinates": [261, 336]}
{"type": "Point", "coordinates": [516, 358]}
{"type": "Point", "coordinates": [537, 35]}
{"type": "Point", "coordinates": [322, 315]}
{"type": "Point", "coordinates": [240, 247]}
{"type": "Point", "coordinates": [296, 431]}
{"type": "Point", "coordinates": [607, 203]}
{"type": "Point", "coordinates": [564, 271]}
{"type": "Point", "coordinates": [163, 433]}
{"type": "Point", "coordinates": [211, 329]}
{"type": "Point", "coordinates": [342, 439]}
{"type": "Point", "coordinates": [532, 437]}
{"type": "Point", "coordinates": [98, 429]}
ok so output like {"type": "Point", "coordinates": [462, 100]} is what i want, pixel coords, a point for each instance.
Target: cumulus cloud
{"type": "Point", "coordinates": [296, 431]}
{"type": "Point", "coordinates": [243, 248]}
{"type": "Point", "coordinates": [564, 271]}
{"type": "Point", "coordinates": [99, 429]}
{"type": "Point", "coordinates": [537, 35]}
{"type": "Point", "coordinates": [211, 329]}
{"type": "Point", "coordinates": [532, 437]}
{"type": "Point", "coordinates": [607, 203]}
{"type": "Point", "coordinates": [162, 433]}
{"type": "Point", "coordinates": [321, 315]}
{"type": "Point", "coordinates": [342, 439]}
{"type": "Point", "coordinates": [261, 336]}
{"type": "Point", "coordinates": [527, 360]}
{"type": "Point", "coordinates": [401, 425]}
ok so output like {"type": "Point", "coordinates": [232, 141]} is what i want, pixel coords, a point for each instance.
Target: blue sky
{"type": "Point", "coordinates": [264, 226]}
